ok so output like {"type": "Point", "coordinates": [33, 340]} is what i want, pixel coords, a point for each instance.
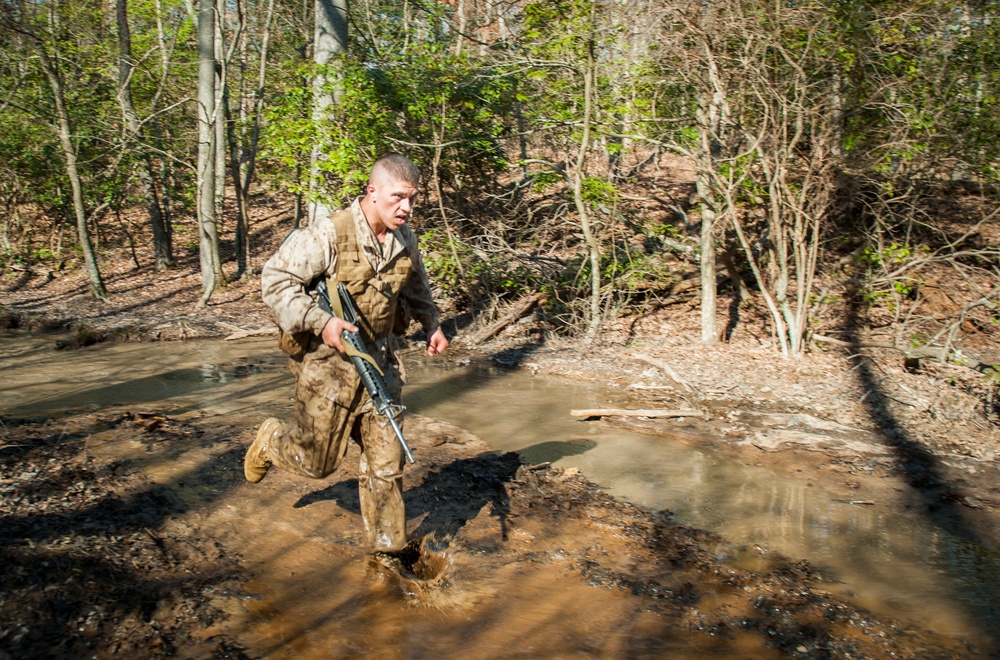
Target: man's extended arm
{"type": "Point", "coordinates": [417, 293]}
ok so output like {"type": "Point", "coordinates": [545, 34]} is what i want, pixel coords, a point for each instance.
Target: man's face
{"type": "Point", "coordinates": [392, 201]}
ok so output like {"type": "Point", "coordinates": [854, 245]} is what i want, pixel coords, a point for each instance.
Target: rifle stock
{"type": "Point", "coordinates": [370, 375]}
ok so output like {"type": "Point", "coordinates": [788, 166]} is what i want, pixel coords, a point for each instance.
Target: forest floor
{"type": "Point", "coordinates": [855, 419]}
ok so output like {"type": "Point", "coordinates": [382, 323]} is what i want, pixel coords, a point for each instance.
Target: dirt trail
{"type": "Point", "coordinates": [182, 558]}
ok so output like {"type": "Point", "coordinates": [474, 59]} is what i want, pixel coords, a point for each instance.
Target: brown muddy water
{"type": "Point", "coordinates": [897, 565]}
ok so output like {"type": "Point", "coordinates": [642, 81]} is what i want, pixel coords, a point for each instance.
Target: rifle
{"type": "Point", "coordinates": [371, 375]}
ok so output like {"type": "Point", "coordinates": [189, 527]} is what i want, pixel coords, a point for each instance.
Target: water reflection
{"type": "Point", "coordinates": [896, 564]}
{"type": "Point", "coordinates": [900, 565]}
{"type": "Point", "coordinates": [177, 377]}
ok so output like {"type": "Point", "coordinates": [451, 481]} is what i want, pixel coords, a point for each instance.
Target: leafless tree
{"type": "Point", "coordinates": [16, 21]}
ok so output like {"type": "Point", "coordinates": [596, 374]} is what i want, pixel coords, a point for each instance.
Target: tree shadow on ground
{"type": "Point", "coordinates": [734, 316]}
{"type": "Point", "coordinates": [447, 498]}
{"type": "Point", "coordinates": [90, 559]}
{"type": "Point", "coordinates": [919, 468]}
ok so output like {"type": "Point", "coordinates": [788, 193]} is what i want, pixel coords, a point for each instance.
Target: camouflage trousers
{"type": "Point", "coordinates": [332, 407]}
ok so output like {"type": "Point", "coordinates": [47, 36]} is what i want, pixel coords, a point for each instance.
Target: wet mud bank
{"type": "Point", "coordinates": [133, 532]}
{"type": "Point", "coordinates": [97, 560]}
{"type": "Point", "coordinates": [903, 444]}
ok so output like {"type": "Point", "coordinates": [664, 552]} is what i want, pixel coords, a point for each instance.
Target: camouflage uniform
{"type": "Point", "coordinates": [388, 283]}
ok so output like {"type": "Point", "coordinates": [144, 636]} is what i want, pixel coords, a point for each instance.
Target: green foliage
{"type": "Point", "coordinates": [421, 96]}
{"type": "Point", "coordinates": [630, 273]}
{"type": "Point", "coordinates": [885, 260]}
{"type": "Point", "coordinates": [439, 260]}
{"type": "Point", "coordinates": [917, 89]}
{"type": "Point", "coordinates": [498, 275]}
{"type": "Point", "coordinates": [598, 191]}
{"type": "Point", "coordinates": [918, 339]}
{"type": "Point", "coordinates": [80, 42]}
{"type": "Point", "coordinates": [666, 230]}
{"type": "Point", "coordinates": [541, 180]}
{"type": "Point", "coordinates": [894, 254]}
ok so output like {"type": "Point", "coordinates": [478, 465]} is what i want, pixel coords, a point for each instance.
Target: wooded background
{"type": "Point", "coordinates": [833, 151]}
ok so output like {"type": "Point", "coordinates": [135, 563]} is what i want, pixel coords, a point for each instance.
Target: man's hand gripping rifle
{"type": "Point", "coordinates": [371, 375]}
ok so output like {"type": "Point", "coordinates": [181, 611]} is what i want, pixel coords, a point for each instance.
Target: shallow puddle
{"type": "Point", "coordinates": [317, 597]}
{"type": "Point", "coordinates": [899, 565]}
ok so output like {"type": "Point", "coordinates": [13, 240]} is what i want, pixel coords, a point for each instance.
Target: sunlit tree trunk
{"type": "Point", "coordinates": [710, 116]}
{"type": "Point", "coordinates": [243, 158]}
{"type": "Point", "coordinates": [593, 245]}
{"type": "Point", "coordinates": [330, 40]}
{"type": "Point", "coordinates": [221, 101]}
{"type": "Point", "coordinates": [65, 131]}
{"type": "Point", "coordinates": [211, 270]}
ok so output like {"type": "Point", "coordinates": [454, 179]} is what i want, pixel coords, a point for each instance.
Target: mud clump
{"type": "Point", "coordinates": [416, 563]}
{"type": "Point", "coordinates": [93, 562]}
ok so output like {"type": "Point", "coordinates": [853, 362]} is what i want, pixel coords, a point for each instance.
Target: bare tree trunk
{"type": "Point", "coordinates": [162, 248]}
{"type": "Point", "coordinates": [233, 141]}
{"type": "Point", "coordinates": [710, 116]}
{"type": "Point", "coordinates": [165, 173]}
{"type": "Point", "coordinates": [65, 131]}
{"type": "Point", "coordinates": [221, 107]}
{"type": "Point", "coordinates": [243, 161]}
{"type": "Point", "coordinates": [459, 40]}
{"type": "Point", "coordinates": [522, 139]}
{"type": "Point", "coordinates": [330, 40]}
{"type": "Point", "coordinates": [709, 322]}
{"type": "Point", "coordinates": [208, 235]}
{"type": "Point", "coordinates": [436, 179]}
{"type": "Point", "coordinates": [593, 245]}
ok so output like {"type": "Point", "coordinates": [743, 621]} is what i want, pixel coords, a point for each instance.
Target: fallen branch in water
{"type": "Point", "coordinates": [621, 412]}
{"type": "Point", "coordinates": [243, 334]}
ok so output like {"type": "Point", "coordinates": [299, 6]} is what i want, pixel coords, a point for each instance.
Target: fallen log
{"type": "Point", "coordinates": [526, 306]}
{"type": "Point", "coordinates": [622, 412]}
{"type": "Point", "coordinates": [938, 353]}
{"type": "Point", "coordinates": [243, 334]}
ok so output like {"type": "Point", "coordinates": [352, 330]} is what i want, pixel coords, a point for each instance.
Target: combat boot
{"type": "Point", "coordinates": [256, 462]}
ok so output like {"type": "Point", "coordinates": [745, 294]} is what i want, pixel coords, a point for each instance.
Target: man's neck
{"type": "Point", "coordinates": [379, 230]}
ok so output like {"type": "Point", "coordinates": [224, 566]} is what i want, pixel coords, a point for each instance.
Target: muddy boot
{"type": "Point", "coordinates": [401, 561]}
{"type": "Point", "coordinates": [256, 462]}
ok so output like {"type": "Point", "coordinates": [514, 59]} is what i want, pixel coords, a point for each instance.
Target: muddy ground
{"type": "Point", "coordinates": [102, 559]}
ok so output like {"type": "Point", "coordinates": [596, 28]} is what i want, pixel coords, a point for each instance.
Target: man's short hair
{"type": "Point", "coordinates": [397, 167]}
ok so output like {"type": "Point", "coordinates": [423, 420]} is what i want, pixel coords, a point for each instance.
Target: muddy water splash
{"type": "Point", "coordinates": [317, 597]}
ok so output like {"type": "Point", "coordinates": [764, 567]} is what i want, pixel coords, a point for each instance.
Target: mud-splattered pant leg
{"type": "Point", "coordinates": [380, 479]}
{"type": "Point", "coordinates": [328, 394]}
{"type": "Point", "coordinates": [332, 406]}
{"type": "Point", "coordinates": [380, 484]}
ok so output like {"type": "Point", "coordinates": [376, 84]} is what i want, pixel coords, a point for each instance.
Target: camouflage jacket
{"type": "Point", "coordinates": [310, 252]}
